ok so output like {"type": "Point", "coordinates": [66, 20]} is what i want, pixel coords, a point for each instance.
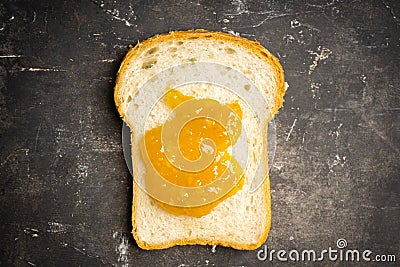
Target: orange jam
{"type": "Point", "coordinates": [189, 140]}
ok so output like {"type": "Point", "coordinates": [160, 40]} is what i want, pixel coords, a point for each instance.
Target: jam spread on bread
{"type": "Point", "coordinates": [191, 142]}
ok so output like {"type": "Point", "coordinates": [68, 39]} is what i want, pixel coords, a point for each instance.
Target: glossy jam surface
{"type": "Point", "coordinates": [191, 136]}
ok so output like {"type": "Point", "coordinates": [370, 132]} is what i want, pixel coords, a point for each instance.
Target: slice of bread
{"type": "Point", "coordinates": [243, 220]}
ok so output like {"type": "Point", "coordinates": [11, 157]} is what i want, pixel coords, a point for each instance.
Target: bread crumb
{"type": "Point", "coordinates": [213, 249]}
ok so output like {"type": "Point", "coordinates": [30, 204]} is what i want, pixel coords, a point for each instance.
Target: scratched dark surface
{"type": "Point", "coordinates": [64, 186]}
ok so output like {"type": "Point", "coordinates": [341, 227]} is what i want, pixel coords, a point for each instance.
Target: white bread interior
{"type": "Point", "coordinates": [243, 220]}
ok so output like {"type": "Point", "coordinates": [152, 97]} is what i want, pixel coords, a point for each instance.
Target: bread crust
{"type": "Point", "coordinates": [199, 241]}
{"type": "Point", "coordinates": [255, 48]}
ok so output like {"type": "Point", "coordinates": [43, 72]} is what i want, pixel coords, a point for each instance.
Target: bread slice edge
{"type": "Point", "coordinates": [253, 46]}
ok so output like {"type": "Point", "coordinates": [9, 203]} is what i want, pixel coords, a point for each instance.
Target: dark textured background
{"type": "Point", "coordinates": [65, 189]}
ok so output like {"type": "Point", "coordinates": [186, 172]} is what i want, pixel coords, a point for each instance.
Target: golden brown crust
{"type": "Point", "coordinates": [180, 242]}
{"type": "Point", "coordinates": [253, 46]}
{"type": "Point", "coordinates": [257, 49]}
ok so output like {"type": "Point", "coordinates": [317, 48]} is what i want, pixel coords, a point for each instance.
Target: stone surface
{"type": "Point", "coordinates": [65, 189]}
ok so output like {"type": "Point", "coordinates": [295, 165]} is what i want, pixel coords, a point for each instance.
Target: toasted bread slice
{"type": "Point", "coordinates": [243, 220]}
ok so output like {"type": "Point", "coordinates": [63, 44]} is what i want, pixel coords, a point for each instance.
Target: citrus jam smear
{"type": "Point", "coordinates": [190, 138]}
